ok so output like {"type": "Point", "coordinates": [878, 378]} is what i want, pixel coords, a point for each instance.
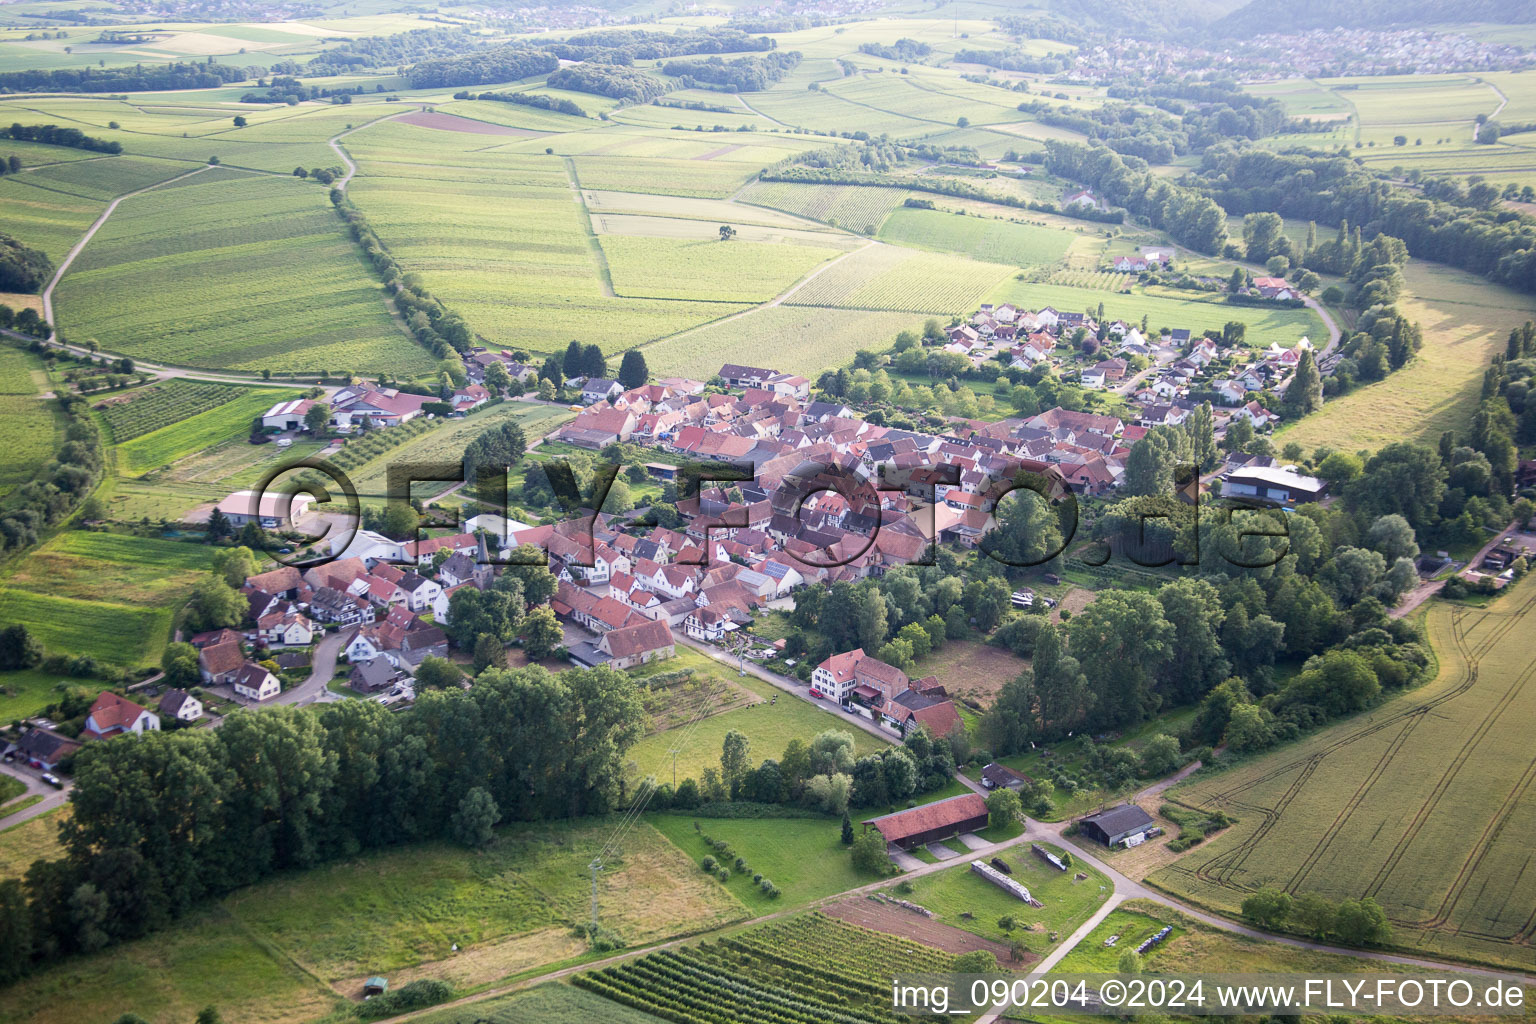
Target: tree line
{"type": "Point", "coordinates": [1191, 218]}
{"type": "Point", "coordinates": [527, 99]}
{"type": "Point", "coordinates": [1332, 188]}
{"type": "Point", "coordinates": [22, 268]}
{"type": "Point", "coordinates": [60, 486]}
{"type": "Point", "coordinates": [438, 329]}
{"type": "Point", "coordinates": [139, 78]}
{"type": "Point", "coordinates": [160, 825]}
{"type": "Point", "coordinates": [53, 135]}
{"type": "Point", "coordinates": [743, 74]}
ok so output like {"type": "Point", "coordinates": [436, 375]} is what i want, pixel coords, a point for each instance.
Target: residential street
{"type": "Point", "coordinates": [51, 798]}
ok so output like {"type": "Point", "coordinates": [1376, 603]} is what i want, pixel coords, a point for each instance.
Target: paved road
{"type": "Point", "coordinates": [51, 798]}
{"type": "Point", "coordinates": [322, 669]}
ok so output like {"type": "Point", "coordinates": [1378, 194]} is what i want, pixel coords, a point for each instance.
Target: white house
{"type": "Point", "coordinates": [420, 592]}
{"type": "Point", "coordinates": [287, 415]}
{"type": "Point", "coordinates": [255, 683]}
{"type": "Point", "coordinates": [112, 715]}
{"type": "Point", "coordinates": [181, 705]}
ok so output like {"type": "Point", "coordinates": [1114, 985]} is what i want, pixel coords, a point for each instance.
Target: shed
{"type": "Point", "coordinates": [1126, 825]}
{"type": "Point", "coordinates": [1000, 776]}
{"type": "Point", "coordinates": [376, 986]}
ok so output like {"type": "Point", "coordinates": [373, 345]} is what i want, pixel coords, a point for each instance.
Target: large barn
{"type": "Point", "coordinates": [1126, 825]}
{"type": "Point", "coordinates": [938, 820]}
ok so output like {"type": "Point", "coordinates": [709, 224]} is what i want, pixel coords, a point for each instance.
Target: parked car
{"type": "Point", "coordinates": [52, 780]}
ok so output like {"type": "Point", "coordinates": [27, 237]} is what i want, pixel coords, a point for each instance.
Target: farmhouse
{"type": "Point", "coordinates": [242, 507]}
{"type": "Point", "coordinates": [1269, 484]}
{"type": "Point", "coordinates": [221, 662]}
{"type": "Point", "coordinates": [737, 376]}
{"type": "Point", "coordinates": [1126, 825]}
{"type": "Point", "coordinates": [930, 822]}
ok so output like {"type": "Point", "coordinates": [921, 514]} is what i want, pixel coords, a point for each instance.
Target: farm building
{"type": "Point", "coordinates": [241, 508]}
{"type": "Point", "coordinates": [1126, 825]}
{"type": "Point", "coordinates": [931, 822]}
{"type": "Point", "coordinates": [287, 415]}
{"type": "Point", "coordinates": [1272, 485]}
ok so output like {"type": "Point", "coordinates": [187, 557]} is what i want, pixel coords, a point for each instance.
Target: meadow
{"type": "Point", "coordinates": [963, 899]}
{"type": "Point", "coordinates": [132, 570]}
{"type": "Point", "coordinates": [117, 634]}
{"type": "Point", "coordinates": [995, 241]}
{"type": "Point", "coordinates": [25, 692]}
{"type": "Point", "coordinates": [289, 948]}
{"type": "Point", "coordinates": [804, 857]}
{"type": "Point", "coordinates": [28, 841]}
{"type": "Point", "coordinates": [224, 422]}
{"type": "Point", "coordinates": [768, 727]}
{"type": "Point", "coordinates": [805, 340]}
{"type": "Point", "coordinates": [552, 1003]}
{"type": "Point", "coordinates": [708, 269]}
{"type": "Point", "coordinates": [29, 428]}
{"type": "Point", "coordinates": [247, 273]}
{"type": "Point", "coordinates": [1466, 321]}
{"type": "Point", "coordinates": [1414, 804]}
{"type": "Point", "coordinates": [44, 218]}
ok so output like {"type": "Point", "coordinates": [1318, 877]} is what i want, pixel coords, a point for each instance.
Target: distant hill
{"type": "Point", "coordinates": [1142, 18]}
{"type": "Point", "coordinates": [1260, 16]}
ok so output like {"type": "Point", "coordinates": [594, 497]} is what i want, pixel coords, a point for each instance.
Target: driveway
{"type": "Point", "coordinates": [51, 798]}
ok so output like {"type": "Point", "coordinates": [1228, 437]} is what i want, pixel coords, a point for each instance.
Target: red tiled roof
{"type": "Point", "coordinates": [937, 815]}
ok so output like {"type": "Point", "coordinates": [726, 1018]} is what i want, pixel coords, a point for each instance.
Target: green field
{"type": "Point", "coordinates": [553, 1003]}
{"type": "Point", "coordinates": [283, 949]}
{"type": "Point", "coordinates": [246, 273]}
{"type": "Point", "coordinates": [769, 727]}
{"type": "Point", "coordinates": [963, 899]}
{"type": "Point", "coordinates": [707, 270]}
{"type": "Point", "coordinates": [888, 277]}
{"type": "Point", "coordinates": [25, 692]}
{"type": "Point", "coordinates": [29, 427]}
{"type": "Point", "coordinates": [117, 634]}
{"type": "Point", "coordinates": [996, 241]}
{"type": "Point", "coordinates": [856, 207]}
{"type": "Point", "coordinates": [129, 570]}
{"type": "Point", "coordinates": [804, 340]}
{"type": "Point", "coordinates": [222, 423]}
{"type": "Point", "coordinates": [1422, 804]}
{"type": "Point", "coordinates": [804, 857]}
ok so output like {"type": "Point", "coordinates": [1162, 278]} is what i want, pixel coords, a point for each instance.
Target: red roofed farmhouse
{"type": "Point", "coordinates": [112, 715]}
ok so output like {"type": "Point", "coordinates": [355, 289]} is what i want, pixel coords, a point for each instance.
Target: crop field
{"type": "Point", "coordinates": [803, 970]}
{"type": "Point", "coordinates": [29, 430]}
{"type": "Point", "coordinates": [1399, 805]}
{"type": "Point", "coordinates": [708, 269]}
{"type": "Point", "coordinates": [132, 570]}
{"type": "Point", "coordinates": [707, 179]}
{"type": "Point", "coordinates": [221, 423]}
{"type": "Point", "coordinates": [712, 212]}
{"type": "Point", "coordinates": [927, 98]}
{"type": "Point", "coordinates": [159, 405]}
{"type": "Point", "coordinates": [552, 1003]}
{"type": "Point", "coordinates": [104, 179]}
{"type": "Point", "coordinates": [247, 273]}
{"type": "Point", "coordinates": [1465, 320]}
{"type": "Point", "coordinates": [856, 207]}
{"type": "Point", "coordinates": [42, 217]}
{"type": "Point", "coordinates": [803, 339]}
{"type": "Point", "coordinates": [995, 241]}
{"type": "Point", "coordinates": [1094, 280]}
{"type": "Point", "coordinates": [887, 277]}
{"type": "Point", "coordinates": [699, 230]}
{"type": "Point", "coordinates": [117, 634]}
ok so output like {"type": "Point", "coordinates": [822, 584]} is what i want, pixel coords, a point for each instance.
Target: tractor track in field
{"type": "Point", "coordinates": [1218, 869]}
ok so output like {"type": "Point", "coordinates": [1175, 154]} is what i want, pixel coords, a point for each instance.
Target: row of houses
{"type": "Point", "coordinates": [361, 405]}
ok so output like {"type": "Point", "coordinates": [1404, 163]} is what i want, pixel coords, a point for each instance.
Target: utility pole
{"type": "Point", "coordinates": [594, 867]}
